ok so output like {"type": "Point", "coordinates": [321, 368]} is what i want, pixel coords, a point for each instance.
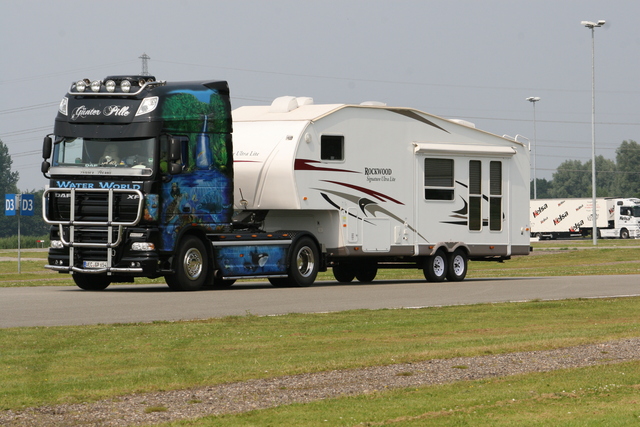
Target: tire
{"type": "Point", "coordinates": [304, 262]}
{"type": "Point", "coordinates": [624, 233]}
{"type": "Point", "coordinates": [458, 263]}
{"type": "Point", "coordinates": [280, 282]}
{"type": "Point", "coordinates": [222, 283]}
{"type": "Point", "coordinates": [344, 273]}
{"type": "Point", "coordinates": [366, 271]}
{"type": "Point", "coordinates": [191, 266]}
{"type": "Point", "coordinates": [91, 282]}
{"type": "Point", "coordinates": [436, 268]}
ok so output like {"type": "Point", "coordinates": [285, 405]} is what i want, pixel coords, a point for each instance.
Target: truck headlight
{"type": "Point", "coordinates": [56, 244]}
{"type": "Point", "coordinates": [142, 246]}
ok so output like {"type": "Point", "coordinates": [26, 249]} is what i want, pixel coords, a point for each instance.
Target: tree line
{"type": "Point", "coordinates": [614, 178]}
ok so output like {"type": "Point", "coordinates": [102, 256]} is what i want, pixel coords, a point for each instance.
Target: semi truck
{"type": "Point", "coordinates": [151, 178]}
{"type": "Point", "coordinates": [573, 217]}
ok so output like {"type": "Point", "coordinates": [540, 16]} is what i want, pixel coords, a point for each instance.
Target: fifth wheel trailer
{"type": "Point", "coordinates": [382, 187]}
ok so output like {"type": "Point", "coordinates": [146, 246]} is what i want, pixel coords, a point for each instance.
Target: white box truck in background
{"type": "Point", "coordinates": [573, 217]}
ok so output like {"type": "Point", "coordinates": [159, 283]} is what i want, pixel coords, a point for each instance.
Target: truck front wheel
{"type": "Point", "coordinates": [191, 266]}
{"type": "Point", "coordinates": [624, 233]}
{"type": "Point", "coordinates": [91, 282]}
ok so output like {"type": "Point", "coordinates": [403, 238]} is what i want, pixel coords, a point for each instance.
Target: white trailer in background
{"type": "Point", "coordinates": [573, 217]}
{"type": "Point", "coordinates": [382, 187]}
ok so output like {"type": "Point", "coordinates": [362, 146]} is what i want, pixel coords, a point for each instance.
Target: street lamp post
{"type": "Point", "coordinates": [593, 26]}
{"type": "Point", "coordinates": [533, 100]}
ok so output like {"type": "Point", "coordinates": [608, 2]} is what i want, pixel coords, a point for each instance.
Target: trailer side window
{"type": "Point", "coordinates": [495, 196]}
{"type": "Point", "coordinates": [438, 179]}
{"type": "Point", "coordinates": [475, 195]}
{"type": "Point", "coordinates": [332, 147]}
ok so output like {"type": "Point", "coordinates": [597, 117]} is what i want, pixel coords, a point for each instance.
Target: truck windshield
{"type": "Point", "coordinates": [636, 211]}
{"type": "Point", "coordinates": [119, 154]}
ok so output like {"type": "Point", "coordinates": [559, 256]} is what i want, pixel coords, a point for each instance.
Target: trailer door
{"type": "Point", "coordinates": [463, 197]}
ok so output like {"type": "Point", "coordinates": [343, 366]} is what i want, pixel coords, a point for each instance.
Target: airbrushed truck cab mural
{"type": "Point", "coordinates": [202, 194]}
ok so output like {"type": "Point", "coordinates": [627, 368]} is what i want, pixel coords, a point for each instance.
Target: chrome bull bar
{"type": "Point", "coordinates": [100, 226]}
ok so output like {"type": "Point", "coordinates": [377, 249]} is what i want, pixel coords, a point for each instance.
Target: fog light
{"type": "Point", "coordinates": [81, 86]}
{"type": "Point", "coordinates": [110, 85]}
{"type": "Point", "coordinates": [125, 86]}
{"type": "Point", "coordinates": [95, 86]}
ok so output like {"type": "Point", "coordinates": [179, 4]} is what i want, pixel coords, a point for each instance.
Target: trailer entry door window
{"type": "Point", "coordinates": [438, 179]}
{"type": "Point", "coordinates": [332, 147]}
{"type": "Point", "coordinates": [475, 195]}
{"type": "Point", "coordinates": [495, 196]}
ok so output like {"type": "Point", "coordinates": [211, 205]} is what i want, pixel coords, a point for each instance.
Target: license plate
{"type": "Point", "coordinates": [95, 264]}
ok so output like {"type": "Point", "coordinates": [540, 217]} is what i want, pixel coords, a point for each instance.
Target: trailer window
{"type": "Point", "coordinates": [495, 196]}
{"type": "Point", "coordinates": [332, 147]}
{"type": "Point", "coordinates": [475, 195]}
{"type": "Point", "coordinates": [438, 179]}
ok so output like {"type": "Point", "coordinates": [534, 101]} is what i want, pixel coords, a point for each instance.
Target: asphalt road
{"type": "Point", "coordinates": [54, 306]}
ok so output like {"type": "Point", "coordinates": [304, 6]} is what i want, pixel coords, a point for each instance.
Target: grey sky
{"type": "Point", "coordinates": [472, 59]}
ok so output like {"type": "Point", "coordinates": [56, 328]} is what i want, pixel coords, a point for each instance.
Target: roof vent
{"type": "Point", "coordinates": [304, 100]}
{"type": "Point", "coordinates": [374, 104]}
{"type": "Point", "coordinates": [463, 123]}
{"type": "Point", "coordinates": [284, 104]}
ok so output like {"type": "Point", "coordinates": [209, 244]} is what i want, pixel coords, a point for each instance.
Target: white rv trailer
{"type": "Point", "coordinates": [571, 217]}
{"type": "Point", "coordinates": [383, 187]}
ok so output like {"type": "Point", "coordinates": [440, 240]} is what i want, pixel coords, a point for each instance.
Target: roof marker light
{"type": "Point", "coordinates": [110, 85]}
{"type": "Point", "coordinates": [148, 105]}
{"type": "Point", "coordinates": [81, 86]}
{"type": "Point", "coordinates": [63, 107]}
{"type": "Point", "coordinates": [95, 86]}
{"type": "Point", "coordinates": [125, 85]}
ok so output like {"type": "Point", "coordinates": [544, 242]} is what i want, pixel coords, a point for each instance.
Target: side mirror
{"type": "Point", "coordinates": [175, 168]}
{"type": "Point", "coordinates": [46, 147]}
{"type": "Point", "coordinates": [44, 167]}
{"type": "Point", "coordinates": [175, 149]}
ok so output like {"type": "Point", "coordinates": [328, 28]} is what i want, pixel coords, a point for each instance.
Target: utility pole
{"type": "Point", "coordinates": [145, 68]}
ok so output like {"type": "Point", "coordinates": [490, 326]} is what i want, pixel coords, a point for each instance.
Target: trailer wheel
{"type": "Point", "coordinates": [458, 263]}
{"type": "Point", "coordinates": [344, 273]}
{"type": "Point", "coordinates": [366, 271]}
{"type": "Point", "coordinates": [436, 269]}
{"type": "Point", "coordinates": [191, 267]}
{"type": "Point", "coordinates": [304, 262]}
{"type": "Point", "coordinates": [624, 233]}
{"type": "Point", "coordinates": [91, 282]}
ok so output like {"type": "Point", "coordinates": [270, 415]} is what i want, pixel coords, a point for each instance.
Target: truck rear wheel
{"type": "Point", "coordinates": [304, 262]}
{"type": "Point", "coordinates": [192, 266]}
{"type": "Point", "coordinates": [344, 273]}
{"type": "Point", "coordinates": [436, 268]}
{"type": "Point", "coordinates": [458, 263]}
{"type": "Point", "coordinates": [91, 282]}
{"type": "Point", "coordinates": [366, 271]}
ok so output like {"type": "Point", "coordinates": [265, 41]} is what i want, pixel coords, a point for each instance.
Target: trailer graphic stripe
{"type": "Point", "coordinates": [377, 195]}
{"type": "Point", "coordinates": [305, 165]}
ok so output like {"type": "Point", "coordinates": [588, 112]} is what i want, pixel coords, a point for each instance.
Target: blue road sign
{"type": "Point", "coordinates": [10, 204]}
{"type": "Point", "coordinates": [27, 205]}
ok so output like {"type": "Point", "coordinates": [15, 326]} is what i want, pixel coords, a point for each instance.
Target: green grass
{"type": "Point", "coordinates": [48, 365]}
{"type": "Point", "coordinates": [595, 396]}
